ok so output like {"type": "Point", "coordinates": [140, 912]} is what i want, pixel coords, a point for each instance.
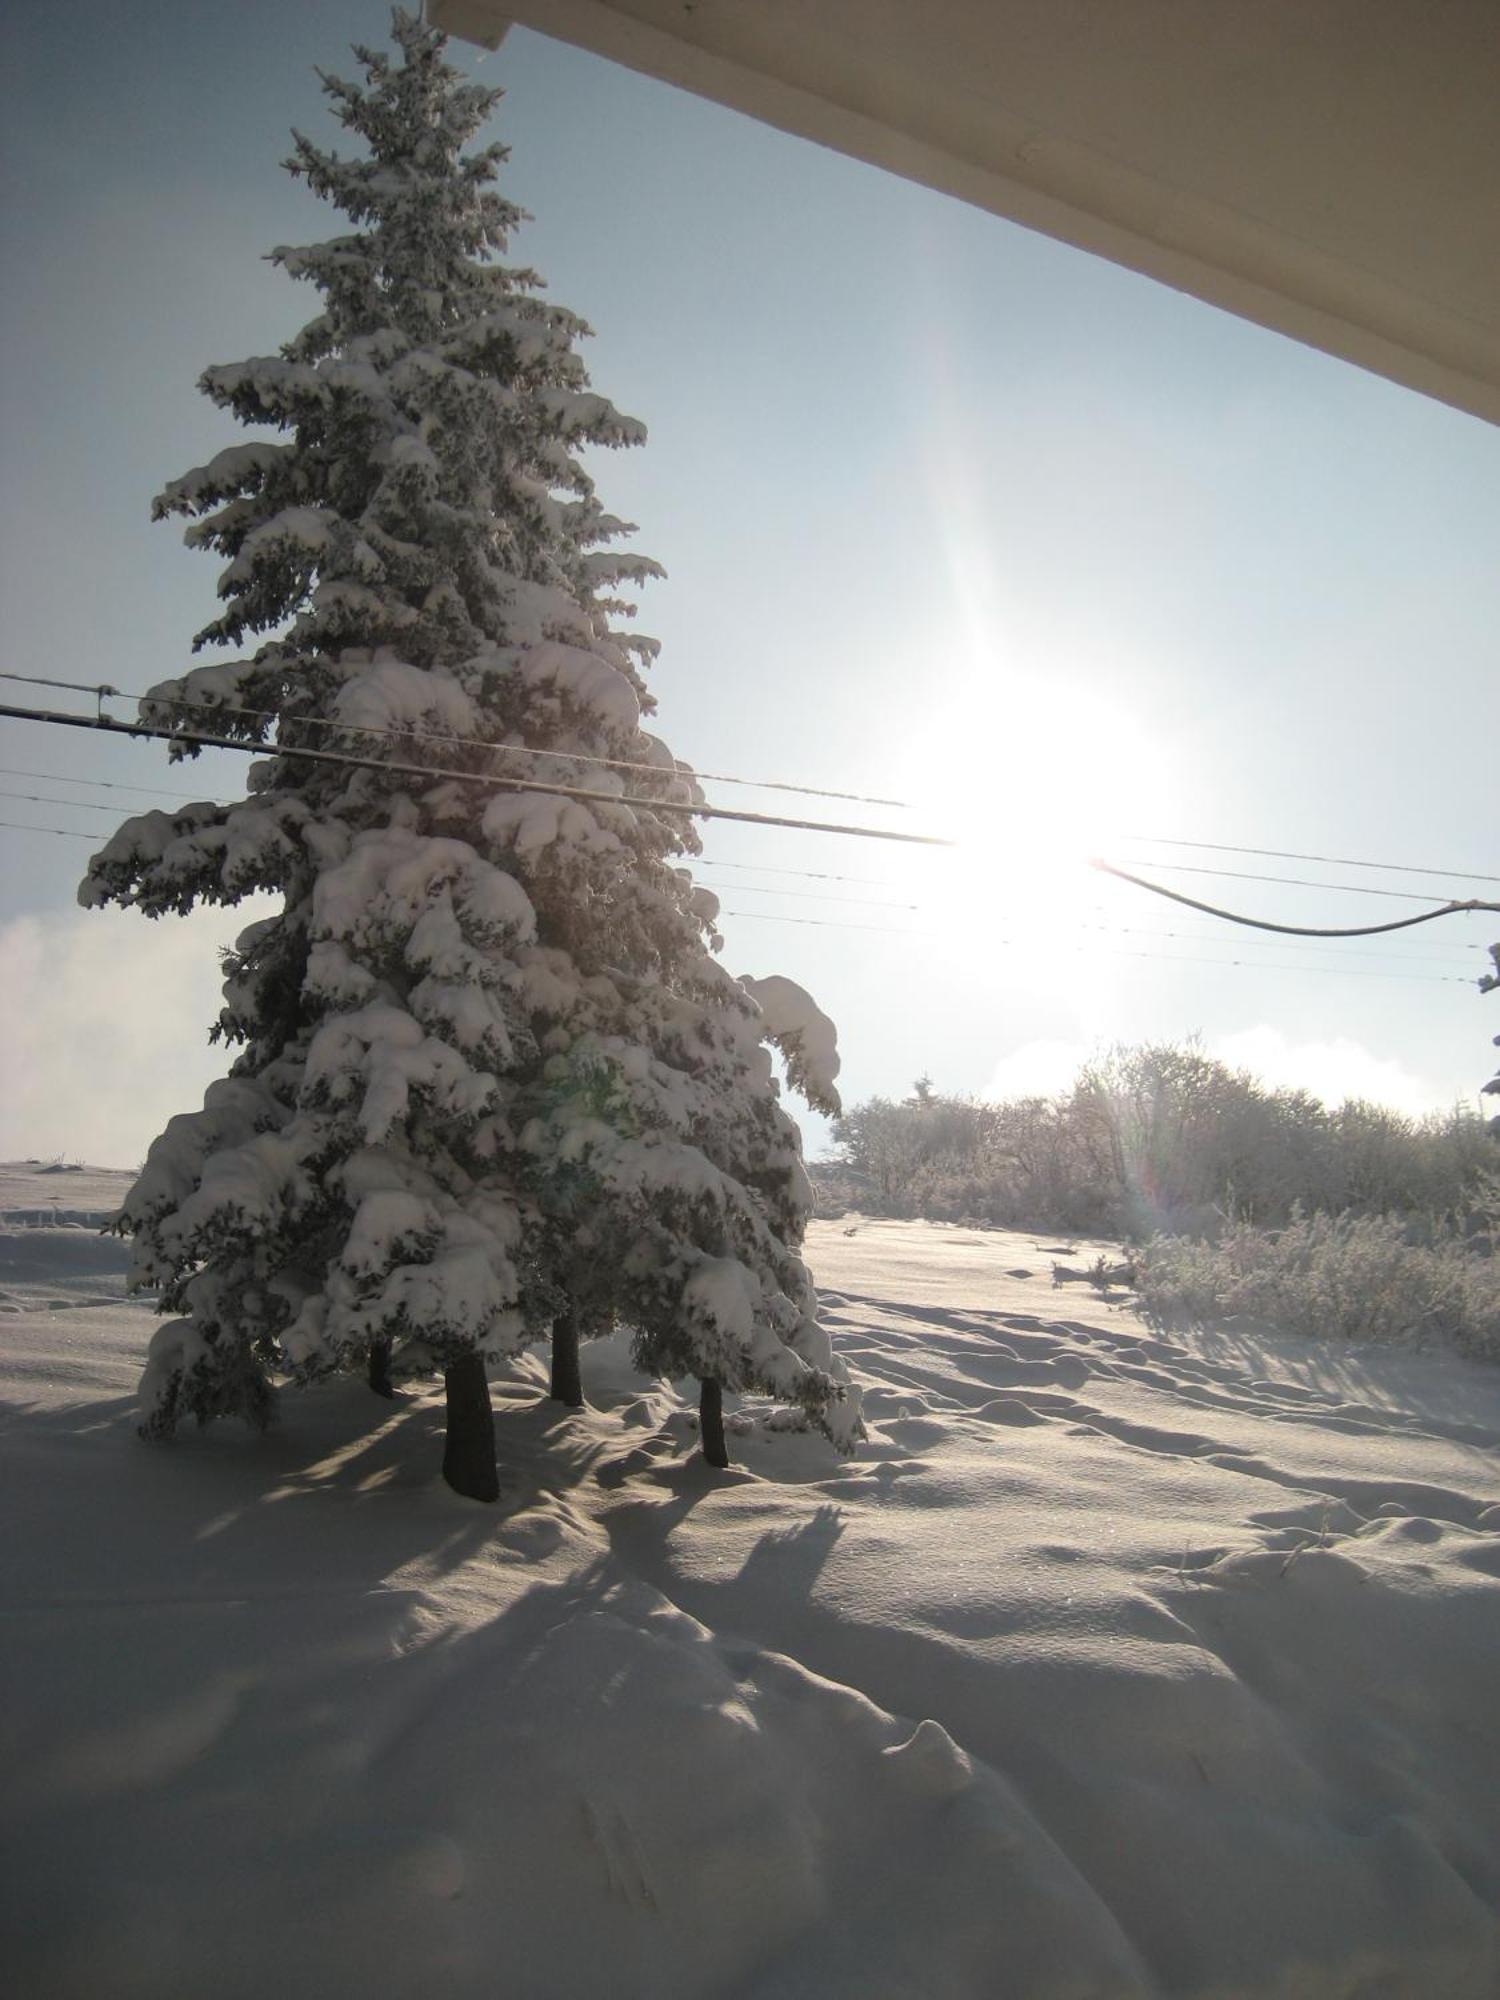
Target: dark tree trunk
{"type": "Point", "coordinates": [380, 1369]}
{"type": "Point", "coordinates": [469, 1446]}
{"type": "Point", "coordinates": [567, 1380]}
{"type": "Point", "coordinates": [711, 1422]}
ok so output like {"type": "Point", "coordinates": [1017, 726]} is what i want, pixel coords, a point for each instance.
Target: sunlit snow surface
{"type": "Point", "coordinates": [1110, 1665]}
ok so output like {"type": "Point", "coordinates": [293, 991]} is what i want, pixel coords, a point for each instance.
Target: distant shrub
{"type": "Point", "coordinates": [1347, 1277]}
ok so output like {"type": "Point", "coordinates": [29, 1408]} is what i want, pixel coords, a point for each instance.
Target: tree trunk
{"type": "Point", "coordinates": [567, 1380]}
{"type": "Point", "coordinates": [711, 1422]}
{"type": "Point", "coordinates": [379, 1376]}
{"type": "Point", "coordinates": [469, 1446]}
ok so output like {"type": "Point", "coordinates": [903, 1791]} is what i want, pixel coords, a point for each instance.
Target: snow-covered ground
{"type": "Point", "coordinates": [1110, 1665]}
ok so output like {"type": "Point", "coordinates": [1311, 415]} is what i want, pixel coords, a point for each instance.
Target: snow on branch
{"type": "Point", "coordinates": [794, 1023]}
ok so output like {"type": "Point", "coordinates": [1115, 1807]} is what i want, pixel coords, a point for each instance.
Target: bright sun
{"type": "Point", "coordinates": [1030, 786]}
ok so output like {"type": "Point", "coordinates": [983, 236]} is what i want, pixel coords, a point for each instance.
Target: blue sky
{"type": "Point", "coordinates": [950, 512]}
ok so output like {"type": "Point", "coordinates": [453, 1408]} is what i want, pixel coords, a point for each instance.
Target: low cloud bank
{"type": "Point", "coordinates": [104, 1020]}
{"type": "Point", "coordinates": [1332, 1070]}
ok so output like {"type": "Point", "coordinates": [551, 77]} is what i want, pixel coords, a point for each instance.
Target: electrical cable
{"type": "Point", "coordinates": [1327, 860]}
{"type": "Point", "coordinates": [89, 805]}
{"type": "Point", "coordinates": [104, 689]}
{"type": "Point", "coordinates": [110, 727]}
{"type": "Point", "coordinates": [1292, 881]}
{"type": "Point", "coordinates": [1115, 951]}
{"type": "Point", "coordinates": [1330, 950]}
{"type": "Point", "coordinates": [748, 888]}
{"type": "Point", "coordinates": [1286, 930]}
{"type": "Point", "coordinates": [95, 784]}
{"type": "Point", "coordinates": [809, 895]}
{"type": "Point", "coordinates": [68, 832]}
{"type": "Point", "coordinates": [47, 799]}
{"type": "Point", "coordinates": [756, 868]}
{"type": "Point", "coordinates": [211, 709]}
{"type": "Point", "coordinates": [912, 931]}
{"type": "Point", "coordinates": [99, 688]}
{"type": "Point", "coordinates": [870, 902]}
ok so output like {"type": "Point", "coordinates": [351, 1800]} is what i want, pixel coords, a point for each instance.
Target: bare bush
{"type": "Point", "coordinates": [1346, 1277]}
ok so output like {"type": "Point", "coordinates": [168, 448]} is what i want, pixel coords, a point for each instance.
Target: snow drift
{"type": "Point", "coordinates": [1109, 1665]}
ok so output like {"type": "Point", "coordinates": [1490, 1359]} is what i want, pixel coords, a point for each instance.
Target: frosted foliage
{"type": "Point", "coordinates": [487, 1066]}
{"type": "Point", "coordinates": [808, 1040]}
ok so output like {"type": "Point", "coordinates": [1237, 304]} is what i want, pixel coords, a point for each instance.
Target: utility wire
{"type": "Point", "coordinates": [96, 784]}
{"type": "Point", "coordinates": [214, 708]}
{"type": "Point", "coordinates": [888, 930]}
{"type": "Point", "coordinates": [1330, 950]}
{"type": "Point", "coordinates": [89, 805]}
{"type": "Point", "coordinates": [1116, 951]}
{"type": "Point", "coordinates": [1327, 860]}
{"type": "Point", "coordinates": [808, 895]}
{"type": "Point", "coordinates": [1239, 875]}
{"type": "Point", "coordinates": [807, 874]}
{"type": "Point", "coordinates": [1287, 930]}
{"type": "Point", "coordinates": [912, 931]}
{"type": "Point", "coordinates": [748, 888]}
{"type": "Point", "coordinates": [49, 799]}
{"type": "Point", "coordinates": [102, 690]}
{"type": "Point", "coordinates": [1291, 881]}
{"type": "Point", "coordinates": [68, 832]}
{"type": "Point", "coordinates": [99, 688]}
{"type": "Point", "coordinates": [349, 761]}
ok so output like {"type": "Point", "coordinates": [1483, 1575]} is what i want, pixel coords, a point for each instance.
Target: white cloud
{"type": "Point", "coordinates": [1333, 1070]}
{"type": "Point", "coordinates": [1037, 1069]}
{"type": "Point", "coordinates": [104, 1019]}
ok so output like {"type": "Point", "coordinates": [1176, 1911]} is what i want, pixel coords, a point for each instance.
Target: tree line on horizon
{"type": "Point", "coordinates": [1159, 1137]}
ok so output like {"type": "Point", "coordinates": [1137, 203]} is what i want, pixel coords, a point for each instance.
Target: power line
{"type": "Point", "coordinates": [1179, 867]}
{"type": "Point", "coordinates": [833, 924]}
{"type": "Point", "coordinates": [96, 784]}
{"type": "Point", "coordinates": [1288, 930]}
{"type": "Point", "coordinates": [99, 688]}
{"type": "Point", "coordinates": [1115, 951]}
{"type": "Point", "coordinates": [813, 895]}
{"type": "Point", "coordinates": [1327, 860]}
{"type": "Point", "coordinates": [103, 690]}
{"type": "Point", "coordinates": [913, 931]}
{"type": "Point", "coordinates": [161, 792]}
{"type": "Point", "coordinates": [807, 874]}
{"type": "Point", "coordinates": [1289, 881]}
{"type": "Point", "coordinates": [1293, 944]}
{"type": "Point", "coordinates": [47, 799]}
{"type": "Point", "coordinates": [749, 888]}
{"type": "Point", "coordinates": [89, 805]}
{"type": "Point", "coordinates": [212, 709]}
{"type": "Point", "coordinates": [346, 759]}
{"type": "Point", "coordinates": [68, 832]}
{"type": "Point", "coordinates": [872, 902]}
{"type": "Point", "coordinates": [1111, 930]}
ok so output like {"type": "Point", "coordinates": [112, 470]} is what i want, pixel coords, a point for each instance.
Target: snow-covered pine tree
{"type": "Point", "coordinates": [490, 1075]}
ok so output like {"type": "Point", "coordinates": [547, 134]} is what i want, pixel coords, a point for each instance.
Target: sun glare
{"type": "Point", "coordinates": [1030, 786]}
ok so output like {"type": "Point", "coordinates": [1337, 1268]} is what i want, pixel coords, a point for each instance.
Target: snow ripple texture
{"type": "Point", "coordinates": [1111, 1664]}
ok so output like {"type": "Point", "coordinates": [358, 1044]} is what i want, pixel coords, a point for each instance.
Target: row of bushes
{"type": "Point", "coordinates": [1345, 1277]}
{"type": "Point", "coordinates": [1161, 1138]}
